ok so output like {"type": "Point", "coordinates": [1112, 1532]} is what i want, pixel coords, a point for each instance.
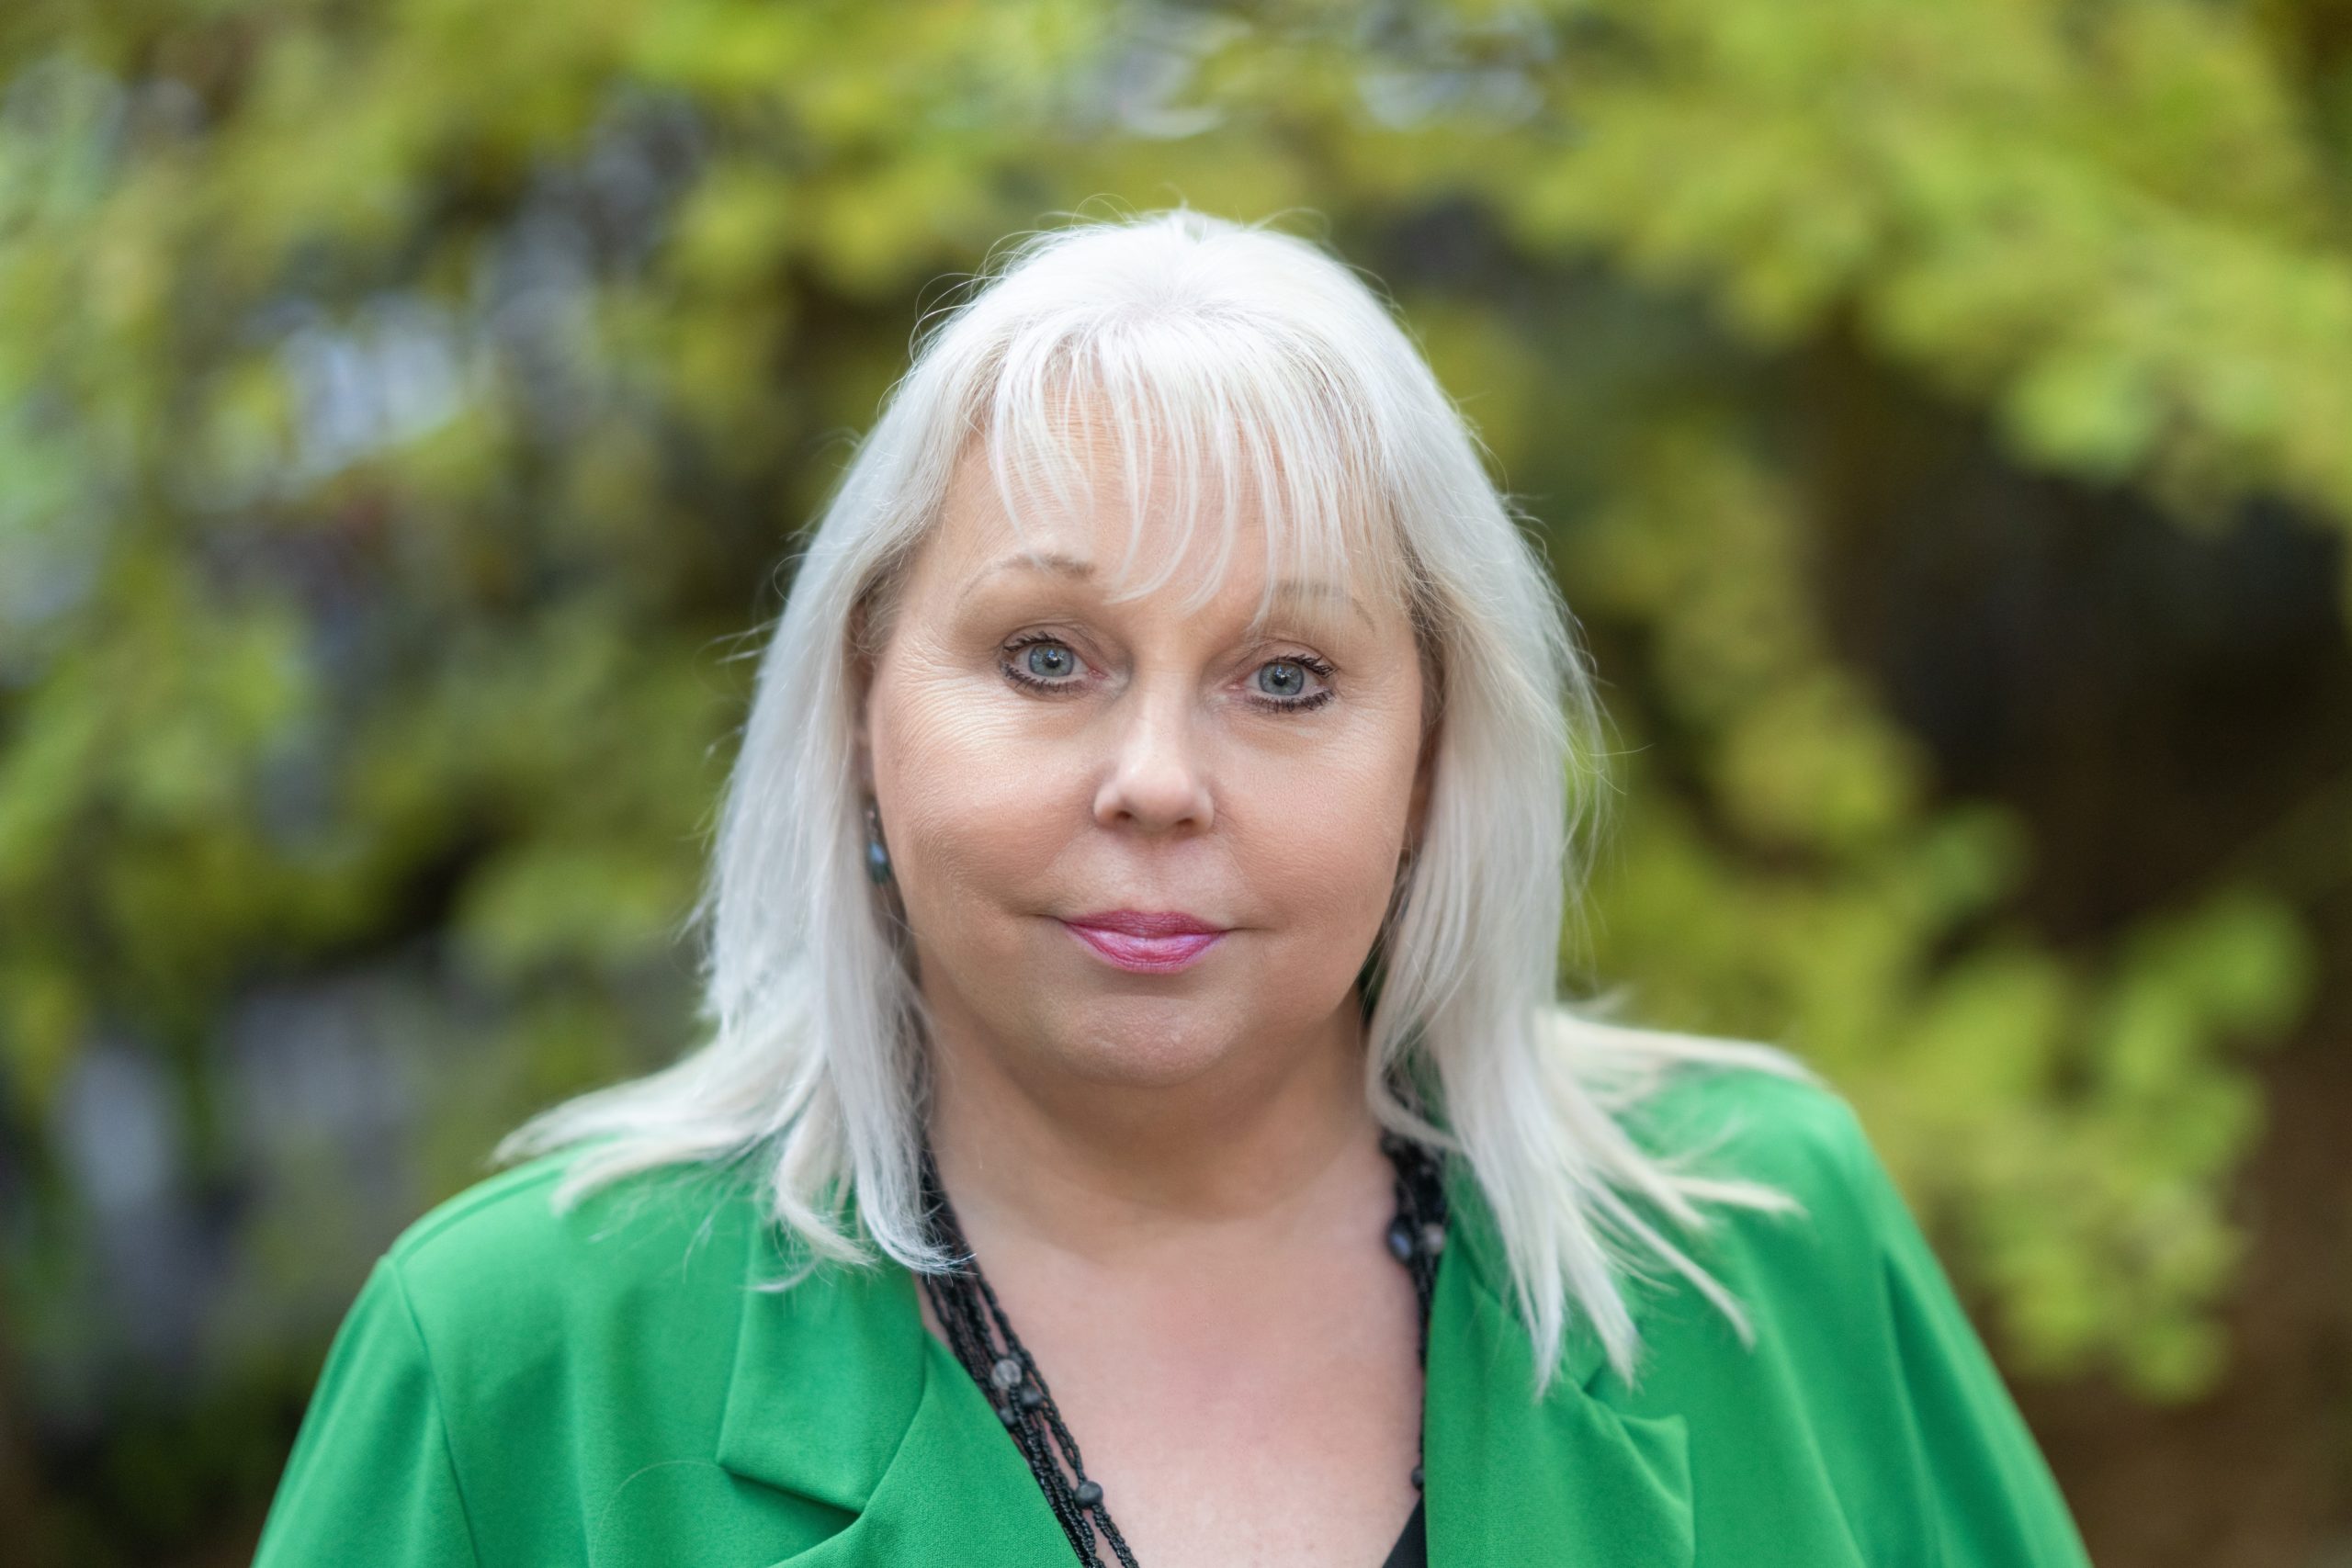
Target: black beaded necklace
{"type": "Point", "coordinates": [982, 1339]}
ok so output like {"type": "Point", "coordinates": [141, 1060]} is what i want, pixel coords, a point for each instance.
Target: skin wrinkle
{"type": "Point", "coordinates": [1174, 1180]}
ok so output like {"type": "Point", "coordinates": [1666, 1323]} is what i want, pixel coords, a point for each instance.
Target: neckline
{"type": "Point", "coordinates": [984, 1344]}
{"type": "Point", "coordinates": [1412, 1548]}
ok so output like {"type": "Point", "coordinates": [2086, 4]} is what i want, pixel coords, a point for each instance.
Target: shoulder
{"type": "Point", "coordinates": [1798, 1136]}
{"type": "Point", "coordinates": [506, 1281]}
{"type": "Point", "coordinates": [512, 1355]}
{"type": "Point", "coordinates": [1729, 1106]}
{"type": "Point", "coordinates": [520, 1227]}
{"type": "Point", "coordinates": [522, 1219]}
{"type": "Point", "coordinates": [1774, 1126]}
{"type": "Point", "coordinates": [1790, 1228]}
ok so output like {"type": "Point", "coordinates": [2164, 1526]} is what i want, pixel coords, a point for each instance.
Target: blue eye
{"type": "Point", "coordinates": [1043, 663]}
{"type": "Point", "coordinates": [1046, 664]}
{"type": "Point", "coordinates": [1039, 659]}
{"type": "Point", "coordinates": [1297, 675]}
{"type": "Point", "coordinates": [1290, 696]}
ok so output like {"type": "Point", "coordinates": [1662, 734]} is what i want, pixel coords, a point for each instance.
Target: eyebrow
{"type": "Point", "coordinates": [1071, 566]}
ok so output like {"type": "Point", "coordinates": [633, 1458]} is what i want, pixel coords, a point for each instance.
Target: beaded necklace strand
{"type": "Point", "coordinates": [982, 1339]}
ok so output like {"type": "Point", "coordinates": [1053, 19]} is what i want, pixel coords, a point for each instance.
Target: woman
{"type": "Point", "coordinates": [1138, 1123]}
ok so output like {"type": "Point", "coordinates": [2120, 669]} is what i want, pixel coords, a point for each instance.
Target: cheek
{"type": "Point", "coordinates": [972, 809]}
{"type": "Point", "coordinates": [1321, 842]}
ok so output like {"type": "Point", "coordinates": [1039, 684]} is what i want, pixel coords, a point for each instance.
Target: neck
{"type": "Point", "coordinates": [1113, 1172]}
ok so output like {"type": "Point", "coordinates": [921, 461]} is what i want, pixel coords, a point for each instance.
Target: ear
{"type": "Point", "coordinates": [861, 696]}
{"type": "Point", "coordinates": [1433, 704]}
{"type": "Point", "coordinates": [861, 745]}
{"type": "Point", "coordinates": [1424, 776]}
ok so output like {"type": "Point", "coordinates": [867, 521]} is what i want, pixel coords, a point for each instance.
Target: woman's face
{"type": "Point", "coordinates": [1040, 756]}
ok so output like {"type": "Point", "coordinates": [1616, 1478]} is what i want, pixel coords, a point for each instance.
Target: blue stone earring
{"type": "Point", "coordinates": [877, 858]}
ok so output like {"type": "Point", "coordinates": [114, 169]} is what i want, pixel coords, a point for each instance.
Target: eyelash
{"type": "Point", "coordinates": [1305, 662]}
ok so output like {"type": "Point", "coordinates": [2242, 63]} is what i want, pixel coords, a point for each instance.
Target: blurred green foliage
{"type": "Point", "coordinates": [404, 410]}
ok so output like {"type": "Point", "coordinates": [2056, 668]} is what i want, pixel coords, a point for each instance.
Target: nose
{"type": "Point", "coordinates": [1158, 777]}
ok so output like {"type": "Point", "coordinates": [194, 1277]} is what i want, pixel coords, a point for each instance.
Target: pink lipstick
{"type": "Point", "coordinates": [1147, 941]}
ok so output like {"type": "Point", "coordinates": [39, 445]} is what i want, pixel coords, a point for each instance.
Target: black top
{"type": "Point", "coordinates": [1412, 1548]}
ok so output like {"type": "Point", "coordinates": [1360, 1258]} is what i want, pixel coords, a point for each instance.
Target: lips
{"type": "Point", "coordinates": [1146, 941]}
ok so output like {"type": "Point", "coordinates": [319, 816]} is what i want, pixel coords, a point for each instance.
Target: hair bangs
{"type": "Point", "coordinates": [1207, 433]}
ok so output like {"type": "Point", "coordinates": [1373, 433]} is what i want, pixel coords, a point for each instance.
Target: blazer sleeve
{"type": "Point", "coordinates": [1994, 1500]}
{"type": "Point", "coordinates": [370, 1478]}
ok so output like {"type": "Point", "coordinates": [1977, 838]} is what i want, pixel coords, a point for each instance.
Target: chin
{"type": "Point", "coordinates": [1142, 1052]}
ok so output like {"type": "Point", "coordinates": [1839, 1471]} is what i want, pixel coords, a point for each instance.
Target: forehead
{"type": "Point", "coordinates": [1317, 597]}
{"type": "Point", "coordinates": [1131, 509]}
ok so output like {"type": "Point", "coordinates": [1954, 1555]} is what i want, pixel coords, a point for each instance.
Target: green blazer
{"type": "Point", "coordinates": [518, 1389]}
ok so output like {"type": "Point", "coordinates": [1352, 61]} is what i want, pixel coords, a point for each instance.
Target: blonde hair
{"type": "Point", "coordinates": [1256, 358]}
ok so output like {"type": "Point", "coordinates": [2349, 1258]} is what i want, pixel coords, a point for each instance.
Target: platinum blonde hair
{"type": "Point", "coordinates": [1257, 359]}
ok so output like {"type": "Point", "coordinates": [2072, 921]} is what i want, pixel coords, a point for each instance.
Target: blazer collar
{"type": "Point", "coordinates": [1569, 1478]}
{"type": "Point", "coordinates": [827, 1375]}
{"type": "Point", "coordinates": [838, 1393]}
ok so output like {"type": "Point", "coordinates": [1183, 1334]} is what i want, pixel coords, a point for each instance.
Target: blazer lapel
{"type": "Point", "coordinates": [1510, 1479]}
{"type": "Point", "coordinates": [838, 1393]}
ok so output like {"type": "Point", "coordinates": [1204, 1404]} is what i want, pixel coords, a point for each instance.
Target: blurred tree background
{"type": "Point", "coordinates": [1939, 416]}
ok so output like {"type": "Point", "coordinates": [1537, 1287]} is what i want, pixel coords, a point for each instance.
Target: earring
{"type": "Point", "coordinates": [877, 857]}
